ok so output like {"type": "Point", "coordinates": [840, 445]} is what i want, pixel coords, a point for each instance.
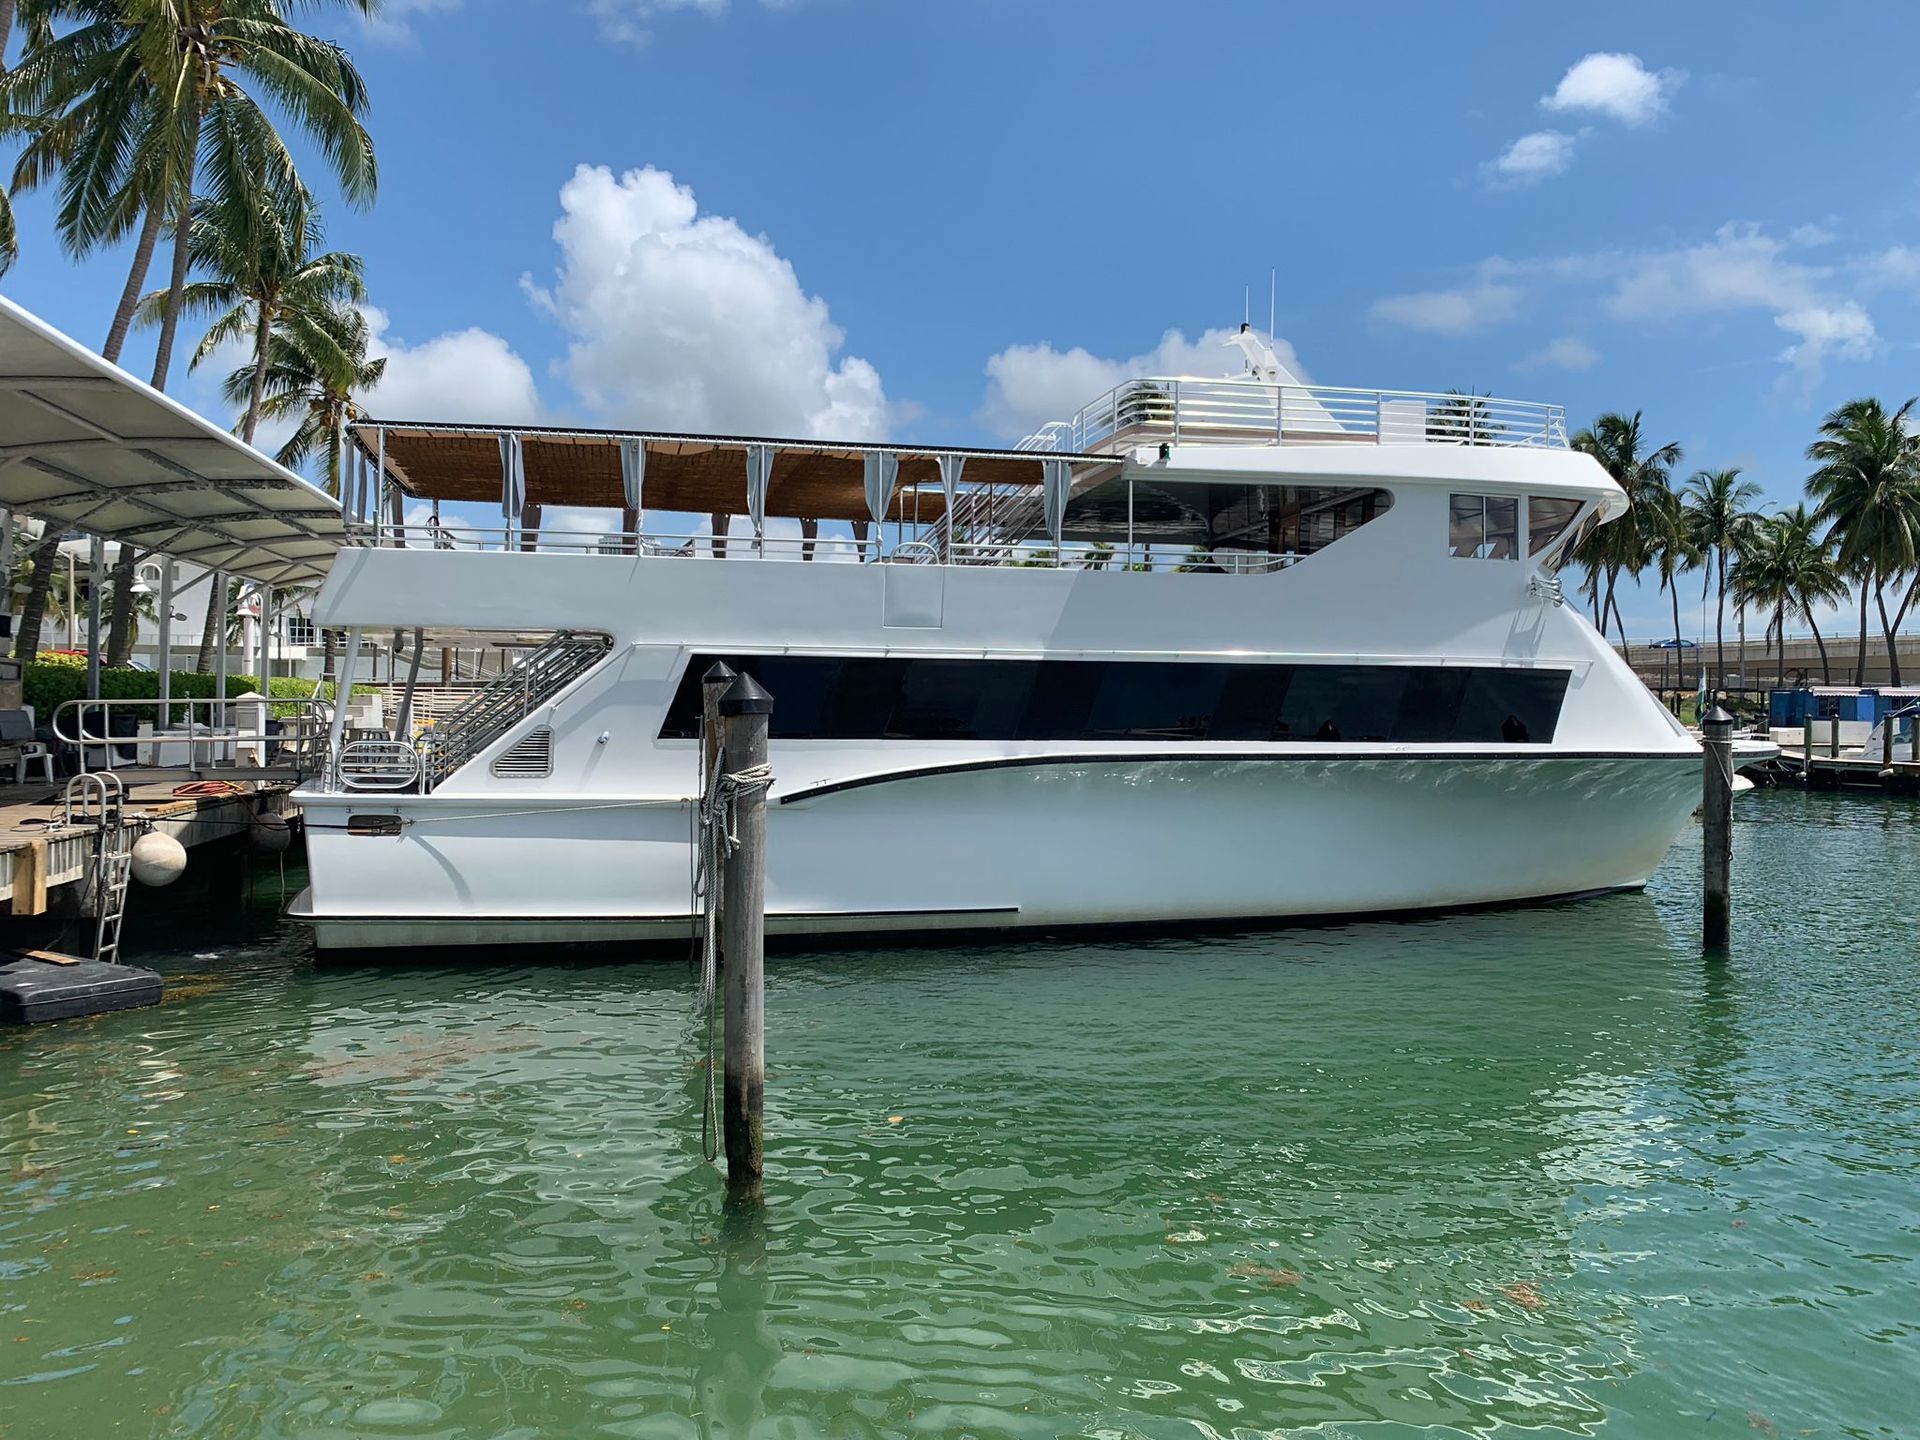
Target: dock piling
{"type": "Point", "coordinates": [1806, 751]}
{"type": "Point", "coordinates": [1716, 817]}
{"type": "Point", "coordinates": [745, 713]}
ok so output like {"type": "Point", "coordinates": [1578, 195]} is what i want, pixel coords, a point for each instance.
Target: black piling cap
{"type": "Point", "coordinates": [745, 697]}
{"type": "Point", "coordinates": [1717, 719]}
{"type": "Point", "coordinates": [718, 673]}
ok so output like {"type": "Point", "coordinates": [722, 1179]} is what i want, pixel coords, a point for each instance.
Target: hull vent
{"type": "Point", "coordinates": [529, 758]}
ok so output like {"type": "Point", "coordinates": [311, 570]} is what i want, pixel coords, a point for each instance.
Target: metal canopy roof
{"type": "Point", "coordinates": [84, 445]}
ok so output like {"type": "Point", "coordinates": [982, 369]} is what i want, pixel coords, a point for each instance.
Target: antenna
{"type": "Point", "coordinates": [1246, 305]}
{"type": "Point", "coordinates": [1273, 301]}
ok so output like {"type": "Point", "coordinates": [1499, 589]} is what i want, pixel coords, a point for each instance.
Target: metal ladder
{"type": "Point", "coordinates": [99, 798]}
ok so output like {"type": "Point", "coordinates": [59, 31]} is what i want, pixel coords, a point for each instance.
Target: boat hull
{"type": "Point", "coordinates": [1015, 842]}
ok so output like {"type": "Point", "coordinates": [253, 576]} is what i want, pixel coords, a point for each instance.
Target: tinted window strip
{"type": "Point", "coordinates": [824, 697]}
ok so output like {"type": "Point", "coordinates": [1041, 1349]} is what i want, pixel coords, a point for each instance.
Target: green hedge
{"type": "Point", "coordinates": [51, 682]}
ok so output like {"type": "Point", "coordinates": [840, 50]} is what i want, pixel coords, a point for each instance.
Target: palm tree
{"type": "Point", "coordinates": [1812, 578]}
{"type": "Point", "coordinates": [316, 364]}
{"type": "Point", "coordinates": [1616, 441]}
{"type": "Point", "coordinates": [1718, 510]}
{"type": "Point", "coordinates": [1868, 491]}
{"type": "Point", "coordinates": [1675, 551]}
{"type": "Point", "coordinates": [126, 103]}
{"type": "Point", "coordinates": [258, 246]}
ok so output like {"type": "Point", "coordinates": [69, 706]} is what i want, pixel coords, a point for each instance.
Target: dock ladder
{"type": "Point", "coordinates": [99, 798]}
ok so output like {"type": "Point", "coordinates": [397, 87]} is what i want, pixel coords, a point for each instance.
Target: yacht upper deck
{"type": "Point", "coordinates": [1188, 410]}
{"type": "Point", "coordinates": [1083, 490]}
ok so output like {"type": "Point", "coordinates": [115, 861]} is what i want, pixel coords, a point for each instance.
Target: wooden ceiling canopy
{"type": "Point", "coordinates": [696, 474]}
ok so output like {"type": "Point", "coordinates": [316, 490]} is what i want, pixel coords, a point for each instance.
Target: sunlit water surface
{"type": "Point", "coordinates": [1542, 1169]}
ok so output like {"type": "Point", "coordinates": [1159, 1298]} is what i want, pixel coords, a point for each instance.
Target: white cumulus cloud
{"type": "Point", "coordinates": [1450, 312]}
{"type": "Point", "coordinates": [1030, 385]}
{"type": "Point", "coordinates": [1819, 331]}
{"type": "Point", "coordinates": [1616, 85]}
{"type": "Point", "coordinates": [469, 374]}
{"type": "Point", "coordinates": [1565, 353]}
{"type": "Point", "coordinates": [684, 320]}
{"type": "Point", "coordinates": [1532, 158]}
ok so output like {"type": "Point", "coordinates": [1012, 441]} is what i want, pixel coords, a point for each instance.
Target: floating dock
{"type": "Point", "coordinates": [40, 855]}
{"type": "Point", "coordinates": [1855, 771]}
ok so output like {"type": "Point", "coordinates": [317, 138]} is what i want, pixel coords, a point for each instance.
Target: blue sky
{"type": "Point", "coordinates": [946, 220]}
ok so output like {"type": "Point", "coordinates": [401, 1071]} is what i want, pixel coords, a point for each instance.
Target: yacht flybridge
{"type": "Point", "coordinates": [1209, 650]}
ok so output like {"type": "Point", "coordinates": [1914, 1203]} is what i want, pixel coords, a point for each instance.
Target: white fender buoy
{"type": "Point", "coordinates": [158, 859]}
{"type": "Point", "coordinates": [270, 833]}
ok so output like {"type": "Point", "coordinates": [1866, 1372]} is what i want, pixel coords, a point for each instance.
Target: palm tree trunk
{"type": "Point", "coordinates": [262, 338]}
{"type": "Point", "coordinates": [177, 281]}
{"type": "Point", "coordinates": [1886, 628]}
{"type": "Point", "coordinates": [215, 626]}
{"type": "Point", "coordinates": [1860, 666]}
{"type": "Point", "coordinates": [1780, 629]}
{"type": "Point", "coordinates": [1826, 667]}
{"type": "Point", "coordinates": [120, 619]}
{"type": "Point", "coordinates": [33, 611]}
{"type": "Point", "coordinates": [136, 282]}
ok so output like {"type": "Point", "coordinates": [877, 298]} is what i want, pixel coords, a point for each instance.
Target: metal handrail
{"type": "Point", "coordinates": [1190, 411]}
{"type": "Point", "coordinates": [378, 765]}
{"type": "Point", "coordinates": [507, 699]}
{"type": "Point", "coordinates": [217, 734]}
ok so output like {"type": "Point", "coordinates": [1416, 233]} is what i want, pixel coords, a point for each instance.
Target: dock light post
{"type": "Point", "coordinates": [1716, 828]}
{"type": "Point", "coordinates": [746, 712]}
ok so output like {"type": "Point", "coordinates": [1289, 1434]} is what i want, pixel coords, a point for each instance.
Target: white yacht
{"type": "Point", "coordinates": [1211, 650]}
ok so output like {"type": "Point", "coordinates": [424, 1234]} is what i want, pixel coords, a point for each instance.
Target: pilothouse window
{"type": "Point", "coordinates": [1483, 527]}
{"type": "Point", "coordinates": [826, 697]}
{"type": "Point", "coordinates": [1547, 520]}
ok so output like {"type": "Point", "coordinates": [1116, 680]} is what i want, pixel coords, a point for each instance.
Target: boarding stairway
{"type": "Point", "coordinates": [505, 701]}
{"type": "Point", "coordinates": [986, 522]}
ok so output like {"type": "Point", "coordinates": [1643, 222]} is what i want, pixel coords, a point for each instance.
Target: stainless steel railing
{"type": "Point", "coordinates": [506, 700]}
{"type": "Point", "coordinates": [1187, 411]}
{"type": "Point", "coordinates": [206, 735]}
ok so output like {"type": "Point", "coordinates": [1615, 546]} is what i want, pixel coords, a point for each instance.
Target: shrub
{"type": "Point", "coordinates": [52, 680]}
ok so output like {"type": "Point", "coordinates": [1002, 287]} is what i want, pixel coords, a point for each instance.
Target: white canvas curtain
{"type": "Point", "coordinates": [1056, 480]}
{"type": "Point", "coordinates": [950, 468]}
{"type": "Point", "coordinates": [633, 472]}
{"type": "Point", "coordinates": [882, 469]}
{"type": "Point", "coordinates": [759, 476]}
{"type": "Point", "coordinates": [513, 479]}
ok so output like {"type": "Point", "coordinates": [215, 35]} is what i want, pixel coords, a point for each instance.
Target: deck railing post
{"type": "Point", "coordinates": [1716, 828]}
{"type": "Point", "coordinates": [746, 712]}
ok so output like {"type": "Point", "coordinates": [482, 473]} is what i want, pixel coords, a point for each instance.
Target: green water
{"type": "Point", "coordinates": [1543, 1169]}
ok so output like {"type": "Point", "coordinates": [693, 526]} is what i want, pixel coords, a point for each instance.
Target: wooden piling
{"type": "Point", "coordinates": [1806, 750]}
{"type": "Point", "coordinates": [1716, 827]}
{"type": "Point", "coordinates": [745, 713]}
{"type": "Point", "coordinates": [1833, 738]}
{"type": "Point", "coordinates": [713, 685]}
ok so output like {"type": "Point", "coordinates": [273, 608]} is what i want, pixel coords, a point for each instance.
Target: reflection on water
{"type": "Point", "coordinates": [1540, 1168]}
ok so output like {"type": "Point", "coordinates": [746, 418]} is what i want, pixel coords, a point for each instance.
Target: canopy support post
{"type": "Point", "coordinates": [96, 577]}
{"type": "Point", "coordinates": [342, 696]}
{"type": "Point", "coordinates": [165, 721]}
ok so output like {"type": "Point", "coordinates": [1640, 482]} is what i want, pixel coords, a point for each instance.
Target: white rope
{"type": "Point", "coordinates": [719, 838]}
